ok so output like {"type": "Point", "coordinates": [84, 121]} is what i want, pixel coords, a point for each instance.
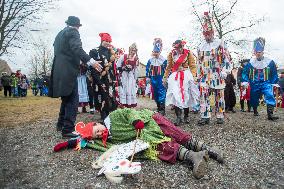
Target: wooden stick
{"type": "Point", "coordinates": [132, 156]}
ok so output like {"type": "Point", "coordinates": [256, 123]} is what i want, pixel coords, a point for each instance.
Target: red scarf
{"type": "Point", "coordinates": [180, 60]}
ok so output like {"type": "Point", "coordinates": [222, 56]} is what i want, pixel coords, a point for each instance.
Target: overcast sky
{"type": "Point", "coordinates": [141, 21]}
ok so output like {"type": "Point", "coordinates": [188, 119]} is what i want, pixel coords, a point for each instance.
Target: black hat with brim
{"type": "Point", "coordinates": [73, 21]}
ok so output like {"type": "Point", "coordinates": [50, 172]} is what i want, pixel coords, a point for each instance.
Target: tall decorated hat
{"type": "Point", "coordinates": [207, 25]}
{"type": "Point", "coordinates": [259, 44]}
{"type": "Point", "coordinates": [158, 45]}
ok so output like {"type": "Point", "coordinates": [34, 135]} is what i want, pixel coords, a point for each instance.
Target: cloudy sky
{"type": "Point", "coordinates": [141, 21]}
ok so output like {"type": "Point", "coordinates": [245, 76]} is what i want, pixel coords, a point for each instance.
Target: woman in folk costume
{"type": "Point", "coordinates": [155, 69]}
{"type": "Point", "coordinates": [127, 66]}
{"type": "Point", "coordinates": [213, 66]}
{"type": "Point", "coordinates": [261, 73]}
{"type": "Point", "coordinates": [83, 88]}
{"type": "Point", "coordinates": [182, 91]}
{"type": "Point", "coordinates": [166, 141]}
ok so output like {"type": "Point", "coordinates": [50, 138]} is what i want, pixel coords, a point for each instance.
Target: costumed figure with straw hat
{"type": "Point", "coordinates": [128, 131]}
{"type": "Point", "coordinates": [155, 70]}
{"type": "Point", "coordinates": [213, 66]}
{"type": "Point", "coordinates": [261, 74]}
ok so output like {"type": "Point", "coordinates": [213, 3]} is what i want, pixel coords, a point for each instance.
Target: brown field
{"type": "Point", "coordinates": [25, 110]}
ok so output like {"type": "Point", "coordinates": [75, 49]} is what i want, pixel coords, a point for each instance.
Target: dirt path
{"type": "Point", "coordinates": [253, 147]}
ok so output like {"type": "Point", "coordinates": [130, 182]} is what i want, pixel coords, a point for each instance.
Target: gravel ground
{"type": "Point", "coordinates": [252, 145]}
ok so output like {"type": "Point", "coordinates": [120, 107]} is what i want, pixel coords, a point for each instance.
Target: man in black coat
{"type": "Point", "coordinates": [68, 53]}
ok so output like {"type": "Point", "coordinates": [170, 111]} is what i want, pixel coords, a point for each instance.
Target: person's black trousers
{"type": "Point", "coordinates": [7, 89]}
{"type": "Point", "coordinates": [68, 110]}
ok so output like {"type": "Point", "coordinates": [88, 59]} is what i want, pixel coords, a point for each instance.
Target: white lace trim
{"type": "Point", "coordinates": [260, 64]}
{"type": "Point", "coordinates": [209, 46]}
{"type": "Point", "coordinates": [157, 61]}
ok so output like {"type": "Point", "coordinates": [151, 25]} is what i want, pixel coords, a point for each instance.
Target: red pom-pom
{"type": "Point", "coordinates": [139, 125]}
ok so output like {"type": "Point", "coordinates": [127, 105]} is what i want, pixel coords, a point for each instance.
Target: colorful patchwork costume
{"type": "Point", "coordinates": [213, 66]}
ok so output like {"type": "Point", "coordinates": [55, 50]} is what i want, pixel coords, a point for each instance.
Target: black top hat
{"type": "Point", "coordinates": [73, 21]}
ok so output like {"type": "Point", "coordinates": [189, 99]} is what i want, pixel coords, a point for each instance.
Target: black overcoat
{"type": "Point", "coordinates": [68, 52]}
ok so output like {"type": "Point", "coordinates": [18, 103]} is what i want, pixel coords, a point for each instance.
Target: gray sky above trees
{"type": "Point", "coordinates": [131, 21]}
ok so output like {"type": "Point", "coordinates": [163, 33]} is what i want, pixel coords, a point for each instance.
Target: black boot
{"type": "Point", "coordinates": [162, 109]}
{"type": "Point", "coordinates": [249, 107]}
{"type": "Point", "coordinates": [158, 107]}
{"type": "Point", "coordinates": [186, 112]}
{"type": "Point", "coordinates": [270, 110]}
{"type": "Point", "coordinates": [178, 112]}
{"type": "Point", "coordinates": [242, 105]}
{"type": "Point", "coordinates": [255, 112]}
{"type": "Point", "coordinates": [203, 121]}
{"type": "Point", "coordinates": [196, 160]}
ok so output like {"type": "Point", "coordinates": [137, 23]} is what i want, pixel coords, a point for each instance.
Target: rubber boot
{"type": "Point", "coordinates": [270, 110]}
{"type": "Point", "coordinates": [255, 112]}
{"type": "Point", "coordinates": [196, 160]}
{"type": "Point", "coordinates": [197, 146]}
{"type": "Point", "coordinates": [186, 112]}
{"type": "Point", "coordinates": [178, 112]}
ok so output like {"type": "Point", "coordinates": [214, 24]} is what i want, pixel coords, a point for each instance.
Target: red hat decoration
{"type": "Point", "coordinates": [105, 37]}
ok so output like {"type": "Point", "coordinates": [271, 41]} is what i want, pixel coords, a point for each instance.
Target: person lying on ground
{"type": "Point", "coordinates": [167, 142]}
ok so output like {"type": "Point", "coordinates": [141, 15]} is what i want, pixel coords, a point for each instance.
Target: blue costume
{"type": "Point", "coordinates": [155, 70]}
{"type": "Point", "coordinates": [261, 73]}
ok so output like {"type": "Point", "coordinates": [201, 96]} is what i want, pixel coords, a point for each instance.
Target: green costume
{"type": "Point", "coordinates": [123, 131]}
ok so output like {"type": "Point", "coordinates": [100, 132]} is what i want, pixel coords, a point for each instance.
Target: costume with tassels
{"type": "Point", "coordinates": [261, 73]}
{"type": "Point", "coordinates": [182, 91]}
{"type": "Point", "coordinates": [102, 81]}
{"type": "Point", "coordinates": [213, 66]}
{"type": "Point", "coordinates": [127, 65]}
{"type": "Point", "coordinates": [155, 70]}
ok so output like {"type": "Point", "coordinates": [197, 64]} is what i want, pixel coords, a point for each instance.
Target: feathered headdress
{"type": "Point", "coordinates": [207, 24]}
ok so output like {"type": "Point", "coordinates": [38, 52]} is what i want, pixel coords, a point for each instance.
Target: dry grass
{"type": "Point", "coordinates": [25, 110]}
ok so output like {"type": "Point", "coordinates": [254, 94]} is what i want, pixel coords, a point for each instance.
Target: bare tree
{"type": "Point", "coordinates": [15, 17]}
{"type": "Point", "coordinates": [41, 60]}
{"type": "Point", "coordinates": [230, 23]}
